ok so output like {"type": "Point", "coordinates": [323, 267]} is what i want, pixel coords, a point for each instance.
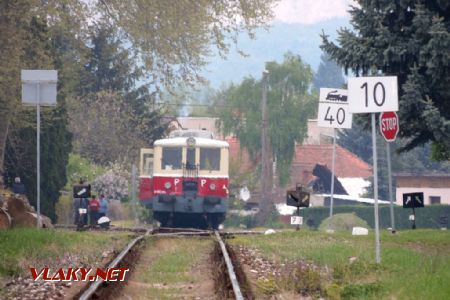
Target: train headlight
{"type": "Point", "coordinates": [212, 186]}
{"type": "Point", "coordinates": [167, 185]}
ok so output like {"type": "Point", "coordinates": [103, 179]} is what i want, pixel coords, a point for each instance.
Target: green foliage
{"type": "Point", "coordinates": [408, 39]}
{"type": "Point", "coordinates": [81, 168]}
{"type": "Point", "coordinates": [266, 286]}
{"type": "Point", "coordinates": [121, 117]}
{"type": "Point", "coordinates": [329, 74]}
{"type": "Point", "coordinates": [427, 217]}
{"type": "Point", "coordinates": [20, 158]}
{"type": "Point", "coordinates": [64, 209]}
{"type": "Point", "coordinates": [359, 291]}
{"type": "Point", "coordinates": [421, 254]}
{"type": "Point", "coordinates": [21, 248]}
{"type": "Point", "coordinates": [302, 279]}
{"type": "Point", "coordinates": [173, 41]}
{"type": "Point", "coordinates": [290, 104]}
{"type": "Point", "coordinates": [342, 221]}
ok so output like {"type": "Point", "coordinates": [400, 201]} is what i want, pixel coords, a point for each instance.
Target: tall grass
{"type": "Point", "coordinates": [415, 264]}
{"type": "Point", "coordinates": [22, 247]}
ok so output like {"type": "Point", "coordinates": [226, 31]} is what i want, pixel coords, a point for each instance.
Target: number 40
{"type": "Point", "coordinates": [340, 116]}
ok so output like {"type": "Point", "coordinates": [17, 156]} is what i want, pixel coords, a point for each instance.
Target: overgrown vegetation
{"type": "Point", "coordinates": [21, 248]}
{"type": "Point", "coordinates": [414, 264]}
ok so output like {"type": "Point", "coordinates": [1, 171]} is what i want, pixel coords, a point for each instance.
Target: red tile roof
{"type": "Point", "coordinates": [347, 163]}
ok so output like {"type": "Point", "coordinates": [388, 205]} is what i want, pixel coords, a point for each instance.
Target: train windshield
{"type": "Point", "coordinates": [210, 159]}
{"type": "Point", "coordinates": [171, 158]}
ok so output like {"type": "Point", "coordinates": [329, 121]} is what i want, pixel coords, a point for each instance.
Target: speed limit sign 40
{"type": "Point", "coordinates": [373, 94]}
{"type": "Point", "coordinates": [334, 109]}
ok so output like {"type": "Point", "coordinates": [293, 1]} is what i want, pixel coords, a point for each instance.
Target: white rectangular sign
{"type": "Point", "coordinates": [39, 75]}
{"type": "Point", "coordinates": [47, 81]}
{"type": "Point", "coordinates": [296, 220]}
{"type": "Point", "coordinates": [334, 109]}
{"type": "Point", "coordinates": [373, 94]}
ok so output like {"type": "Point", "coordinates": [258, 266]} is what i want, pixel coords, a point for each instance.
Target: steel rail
{"type": "Point", "coordinates": [94, 287]}
{"type": "Point", "coordinates": [230, 268]}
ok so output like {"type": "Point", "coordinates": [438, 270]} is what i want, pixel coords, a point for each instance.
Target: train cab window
{"type": "Point", "coordinates": [210, 159]}
{"type": "Point", "coordinates": [148, 164]}
{"type": "Point", "coordinates": [171, 158]}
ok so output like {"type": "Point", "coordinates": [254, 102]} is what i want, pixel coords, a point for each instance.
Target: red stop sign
{"type": "Point", "coordinates": [389, 125]}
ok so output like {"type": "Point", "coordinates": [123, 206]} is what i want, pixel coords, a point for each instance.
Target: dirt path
{"type": "Point", "coordinates": [173, 268]}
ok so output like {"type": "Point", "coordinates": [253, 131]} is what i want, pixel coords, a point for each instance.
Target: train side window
{"type": "Point", "coordinates": [190, 159]}
{"type": "Point", "coordinates": [148, 164]}
{"type": "Point", "coordinates": [171, 158]}
{"type": "Point", "coordinates": [210, 159]}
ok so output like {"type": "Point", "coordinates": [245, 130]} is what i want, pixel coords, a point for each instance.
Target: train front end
{"type": "Point", "coordinates": [187, 185]}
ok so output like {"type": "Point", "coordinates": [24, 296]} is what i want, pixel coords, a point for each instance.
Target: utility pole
{"type": "Point", "coordinates": [266, 161]}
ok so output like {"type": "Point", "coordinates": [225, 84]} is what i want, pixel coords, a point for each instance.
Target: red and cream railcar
{"type": "Point", "coordinates": [184, 179]}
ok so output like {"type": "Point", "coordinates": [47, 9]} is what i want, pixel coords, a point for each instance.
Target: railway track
{"type": "Point", "coordinates": [129, 257]}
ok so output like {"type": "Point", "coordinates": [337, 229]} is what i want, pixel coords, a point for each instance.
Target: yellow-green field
{"type": "Point", "coordinates": [415, 264]}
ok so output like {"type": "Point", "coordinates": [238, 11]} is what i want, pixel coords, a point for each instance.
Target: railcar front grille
{"type": "Point", "coordinates": [190, 171]}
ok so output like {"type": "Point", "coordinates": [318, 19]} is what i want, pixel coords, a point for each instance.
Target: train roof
{"type": "Point", "coordinates": [199, 142]}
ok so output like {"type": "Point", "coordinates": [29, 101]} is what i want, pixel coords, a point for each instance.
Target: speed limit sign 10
{"type": "Point", "coordinates": [334, 109]}
{"type": "Point", "coordinates": [373, 94]}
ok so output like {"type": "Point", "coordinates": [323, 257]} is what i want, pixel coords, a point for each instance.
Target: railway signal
{"type": "Point", "coordinates": [372, 95]}
{"type": "Point", "coordinates": [413, 200]}
{"type": "Point", "coordinates": [298, 198]}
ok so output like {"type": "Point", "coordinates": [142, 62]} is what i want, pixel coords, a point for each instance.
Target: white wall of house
{"type": "Point", "coordinates": [428, 193]}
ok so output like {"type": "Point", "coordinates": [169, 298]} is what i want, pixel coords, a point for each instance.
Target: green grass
{"type": "Point", "coordinates": [415, 264]}
{"type": "Point", "coordinates": [24, 247]}
{"type": "Point", "coordinates": [168, 266]}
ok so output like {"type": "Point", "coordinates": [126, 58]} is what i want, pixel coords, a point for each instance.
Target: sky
{"type": "Point", "coordinates": [311, 11]}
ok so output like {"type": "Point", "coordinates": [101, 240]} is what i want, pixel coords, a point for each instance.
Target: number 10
{"type": "Point", "coordinates": [375, 97]}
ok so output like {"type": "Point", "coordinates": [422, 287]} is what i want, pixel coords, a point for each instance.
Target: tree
{"type": "Point", "coordinates": [110, 130]}
{"type": "Point", "coordinates": [174, 37]}
{"type": "Point", "coordinates": [14, 20]}
{"type": "Point", "coordinates": [329, 74]}
{"type": "Point", "coordinates": [55, 139]}
{"type": "Point", "coordinates": [121, 117]}
{"type": "Point", "coordinates": [289, 105]}
{"type": "Point", "coordinates": [409, 39]}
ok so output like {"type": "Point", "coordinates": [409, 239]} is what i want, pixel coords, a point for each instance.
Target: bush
{"type": "Point", "coordinates": [64, 209]}
{"type": "Point", "coordinates": [79, 167]}
{"type": "Point", "coordinates": [427, 217]}
{"type": "Point", "coordinates": [342, 222]}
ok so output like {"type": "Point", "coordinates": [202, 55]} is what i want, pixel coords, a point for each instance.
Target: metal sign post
{"type": "Point", "coordinates": [333, 113]}
{"type": "Point", "coordinates": [375, 191]}
{"type": "Point", "coordinates": [389, 127]}
{"type": "Point", "coordinates": [332, 171]}
{"type": "Point", "coordinates": [39, 89]}
{"type": "Point", "coordinates": [391, 197]}
{"type": "Point", "coordinates": [371, 95]}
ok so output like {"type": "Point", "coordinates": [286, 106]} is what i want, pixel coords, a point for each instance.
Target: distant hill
{"type": "Point", "coordinates": [268, 46]}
